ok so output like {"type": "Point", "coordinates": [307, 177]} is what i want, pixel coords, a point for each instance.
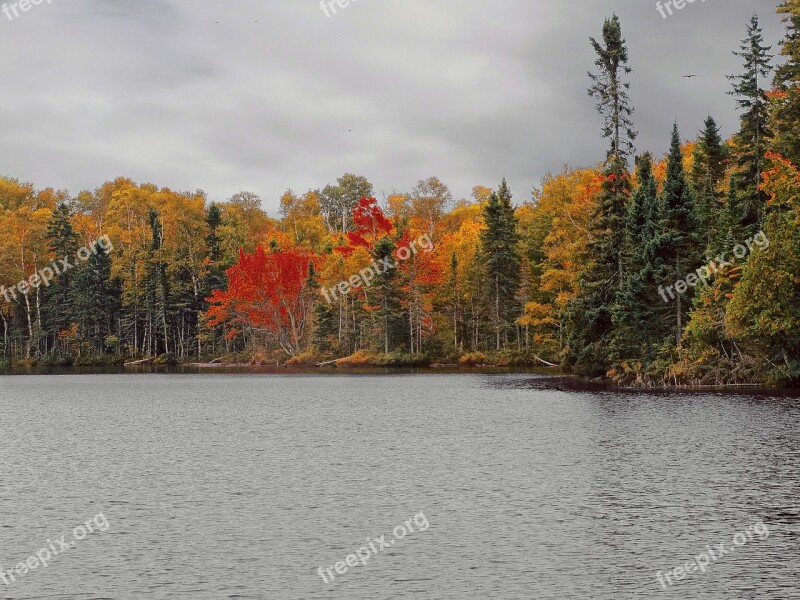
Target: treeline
{"type": "Point", "coordinates": [630, 270]}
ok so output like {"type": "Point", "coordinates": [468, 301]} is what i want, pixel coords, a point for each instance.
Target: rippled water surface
{"type": "Point", "coordinates": [237, 486]}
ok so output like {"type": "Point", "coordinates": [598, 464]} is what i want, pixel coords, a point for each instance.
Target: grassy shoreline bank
{"type": "Point", "coordinates": [552, 378]}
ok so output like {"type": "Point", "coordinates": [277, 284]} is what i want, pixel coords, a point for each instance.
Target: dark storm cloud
{"type": "Point", "coordinates": [235, 95]}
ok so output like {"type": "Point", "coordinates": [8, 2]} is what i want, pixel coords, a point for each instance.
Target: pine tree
{"type": "Point", "coordinates": [499, 247]}
{"type": "Point", "coordinates": [707, 175]}
{"type": "Point", "coordinates": [157, 292]}
{"type": "Point", "coordinates": [325, 321]}
{"type": "Point", "coordinates": [452, 286]}
{"type": "Point", "coordinates": [97, 300]}
{"type": "Point", "coordinates": [750, 144]}
{"type": "Point", "coordinates": [610, 89]}
{"type": "Point", "coordinates": [216, 278]}
{"type": "Point", "coordinates": [679, 229]}
{"type": "Point", "coordinates": [588, 318]}
{"type": "Point", "coordinates": [786, 102]}
{"type": "Point", "coordinates": [58, 298]}
{"type": "Point", "coordinates": [388, 293]}
{"type": "Point", "coordinates": [638, 313]}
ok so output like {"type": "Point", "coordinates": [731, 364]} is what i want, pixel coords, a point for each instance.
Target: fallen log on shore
{"type": "Point", "coordinates": [549, 364]}
{"type": "Point", "coordinates": [144, 361]}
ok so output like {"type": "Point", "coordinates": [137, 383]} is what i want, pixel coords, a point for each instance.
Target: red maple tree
{"type": "Point", "coordinates": [369, 225]}
{"type": "Point", "coordinates": [267, 293]}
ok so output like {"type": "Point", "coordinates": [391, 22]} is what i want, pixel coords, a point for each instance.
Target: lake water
{"type": "Point", "coordinates": [243, 486]}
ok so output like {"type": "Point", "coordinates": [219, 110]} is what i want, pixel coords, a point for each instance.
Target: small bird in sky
{"type": "Point", "coordinates": [689, 76]}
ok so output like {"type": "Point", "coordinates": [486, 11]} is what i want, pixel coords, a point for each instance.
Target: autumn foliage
{"type": "Point", "coordinates": [267, 295]}
{"type": "Point", "coordinates": [570, 274]}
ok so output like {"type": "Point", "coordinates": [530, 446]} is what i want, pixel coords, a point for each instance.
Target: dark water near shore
{"type": "Point", "coordinates": [241, 486]}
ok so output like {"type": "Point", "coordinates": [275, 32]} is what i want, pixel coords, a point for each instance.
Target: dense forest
{"type": "Point", "coordinates": [682, 269]}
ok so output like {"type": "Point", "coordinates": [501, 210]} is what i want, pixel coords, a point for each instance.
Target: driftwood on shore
{"type": "Point", "coordinates": [544, 362]}
{"type": "Point", "coordinates": [144, 361]}
{"type": "Point", "coordinates": [328, 362]}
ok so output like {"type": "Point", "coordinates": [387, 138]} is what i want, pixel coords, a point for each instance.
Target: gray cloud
{"type": "Point", "coordinates": [235, 95]}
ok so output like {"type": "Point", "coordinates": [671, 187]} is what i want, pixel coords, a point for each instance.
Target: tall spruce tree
{"type": "Point", "coordinates": [97, 301]}
{"type": "Point", "coordinates": [786, 103]}
{"type": "Point", "coordinates": [452, 300]}
{"type": "Point", "coordinates": [588, 319]}
{"type": "Point", "coordinates": [325, 320]}
{"type": "Point", "coordinates": [157, 294]}
{"type": "Point", "coordinates": [707, 175]}
{"type": "Point", "coordinates": [499, 248]}
{"type": "Point", "coordinates": [216, 278]}
{"type": "Point", "coordinates": [610, 89]}
{"type": "Point", "coordinates": [638, 313]}
{"type": "Point", "coordinates": [58, 298]}
{"type": "Point", "coordinates": [750, 143]}
{"type": "Point", "coordinates": [680, 231]}
{"type": "Point", "coordinates": [387, 290]}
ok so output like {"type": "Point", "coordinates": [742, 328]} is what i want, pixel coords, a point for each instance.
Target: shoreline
{"type": "Point", "coordinates": [545, 377]}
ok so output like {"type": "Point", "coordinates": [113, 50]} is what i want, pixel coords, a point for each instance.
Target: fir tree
{"type": "Point", "coordinates": [97, 300]}
{"type": "Point", "coordinates": [679, 229]}
{"type": "Point", "coordinates": [214, 275]}
{"type": "Point", "coordinates": [58, 297]}
{"type": "Point", "coordinates": [786, 102]}
{"type": "Point", "coordinates": [387, 290]}
{"type": "Point", "coordinates": [452, 286]}
{"type": "Point", "coordinates": [638, 313]}
{"type": "Point", "coordinates": [610, 89]}
{"type": "Point", "coordinates": [708, 173]}
{"type": "Point", "coordinates": [325, 320]}
{"type": "Point", "coordinates": [589, 322]}
{"type": "Point", "coordinates": [216, 278]}
{"type": "Point", "coordinates": [588, 319]}
{"type": "Point", "coordinates": [157, 294]}
{"type": "Point", "coordinates": [499, 248]}
{"type": "Point", "coordinates": [750, 143]}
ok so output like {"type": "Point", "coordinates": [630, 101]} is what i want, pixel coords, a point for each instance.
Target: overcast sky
{"type": "Point", "coordinates": [262, 95]}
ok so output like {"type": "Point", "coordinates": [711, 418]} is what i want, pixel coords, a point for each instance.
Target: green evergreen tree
{"type": "Point", "coordinates": [638, 312]}
{"type": "Point", "coordinates": [680, 231]}
{"type": "Point", "coordinates": [326, 323]}
{"type": "Point", "coordinates": [216, 278]}
{"type": "Point", "coordinates": [589, 316]}
{"type": "Point", "coordinates": [786, 106]}
{"type": "Point", "coordinates": [453, 302]}
{"type": "Point", "coordinates": [97, 301]}
{"type": "Point", "coordinates": [387, 290]}
{"type": "Point", "coordinates": [57, 312]}
{"type": "Point", "coordinates": [588, 319]}
{"type": "Point", "coordinates": [499, 248]}
{"type": "Point", "coordinates": [610, 89]}
{"type": "Point", "coordinates": [157, 293]}
{"type": "Point", "coordinates": [707, 175]}
{"type": "Point", "coordinates": [750, 143]}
